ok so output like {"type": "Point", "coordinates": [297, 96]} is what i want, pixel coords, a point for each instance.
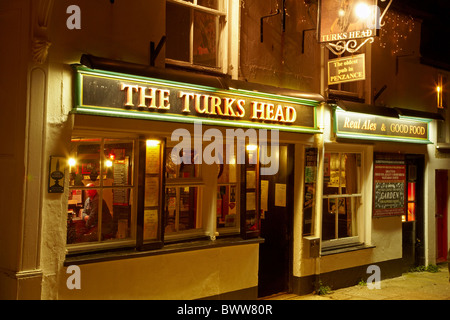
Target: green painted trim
{"type": "Point", "coordinates": [381, 138]}
{"type": "Point", "coordinates": [241, 92]}
{"type": "Point", "coordinates": [131, 114]}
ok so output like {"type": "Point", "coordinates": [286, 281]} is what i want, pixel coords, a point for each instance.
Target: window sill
{"type": "Point", "coordinates": [78, 259]}
{"type": "Point", "coordinates": [345, 248]}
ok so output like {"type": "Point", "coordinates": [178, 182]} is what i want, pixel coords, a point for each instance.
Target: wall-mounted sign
{"type": "Point", "coordinates": [112, 94]}
{"type": "Point", "coordinates": [346, 69]}
{"type": "Point", "coordinates": [389, 185]}
{"type": "Point", "coordinates": [354, 125]}
{"type": "Point", "coordinates": [342, 20]}
{"type": "Point", "coordinates": [56, 174]}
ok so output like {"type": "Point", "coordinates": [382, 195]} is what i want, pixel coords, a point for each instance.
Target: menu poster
{"type": "Point", "coordinates": [311, 159]}
{"type": "Point", "coordinates": [151, 191]}
{"type": "Point", "coordinates": [264, 195]}
{"type": "Point", "coordinates": [250, 201]}
{"type": "Point", "coordinates": [152, 157]}
{"type": "Point", "coordinates": [389, 181]}
{"type": "Point", "coordinates": [280, 194]}
{"type": "Point", "coordinates": [150, 224]}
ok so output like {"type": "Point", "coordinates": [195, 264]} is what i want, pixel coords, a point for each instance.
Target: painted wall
{"type": "Point", "coordinates": [185, 275]}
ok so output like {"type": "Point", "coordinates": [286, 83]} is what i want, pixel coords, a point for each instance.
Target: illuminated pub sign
{"type": "Point", "coordinates": [112, 94]}
{"type": "Point", "coordinates": [341, 20]}
{"type": "Point", "coordinates": [346, 69]}
{"type": "Point", "coordinates": [371, 127]}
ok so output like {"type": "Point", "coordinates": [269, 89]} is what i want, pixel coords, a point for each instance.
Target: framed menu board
{"type": "Point", "coordinates": [389, 185]}
{"type": "Point", "coordinates": [150, 193]}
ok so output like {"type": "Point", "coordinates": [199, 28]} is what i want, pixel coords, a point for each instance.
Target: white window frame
{"type": "Point", "coordinates": [228, 38]}
{"type": "Point", "coordinates": [116, 243]}
{"type": "Point", "coordinates": [364, 196]}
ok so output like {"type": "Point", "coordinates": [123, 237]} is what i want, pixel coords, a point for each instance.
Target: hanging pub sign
{"type": "Point", "coordinates": [346, 69]}
{"type": "Point", "coordinates": [353, 125]}
{"type": "Point", "coordinates": [113, 94]}
{"type": "Point", "coordinates": [389, 185]}
{"type": "Point", "coordinates": [342, 20]}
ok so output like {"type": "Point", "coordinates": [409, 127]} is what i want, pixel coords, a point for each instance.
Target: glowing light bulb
{"type": "Point", "coordinates": [362, 10]}
{"type": "Point", "coordinates": [72, 162]}
{"type": "Point", "coordinates": [153, 143]}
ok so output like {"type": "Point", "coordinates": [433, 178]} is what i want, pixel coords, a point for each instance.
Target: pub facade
{"type": "Point", "coordinates": [209, 158]}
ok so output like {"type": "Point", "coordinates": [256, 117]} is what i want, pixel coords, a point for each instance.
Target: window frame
{"type": "Point", "coordinates": [209, 229]}
{"type": "Point", "coordinates": [227, 38]}
{"type": "Point", "coordinates": [116, 243]}
{"type": "Point", "coordinates": [361, 221]}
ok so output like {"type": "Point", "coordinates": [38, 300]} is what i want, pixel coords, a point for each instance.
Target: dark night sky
{"type": "Point", "coordinates": [435, 38]}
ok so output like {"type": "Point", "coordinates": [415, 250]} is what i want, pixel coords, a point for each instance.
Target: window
{"type": "Point", "coordinates": [353, 91]}
{"type": "Point", "coordinates": [111, 205]}
{"type": "Point", "coordinates": [443, 131]}
{"type": "Point", "coordinates": [341, 197]}
{"type": "Point", "coordinates": [197, 33]}
{"type": "Point", "coordinates": [100, 180]}
{"type": "Point", "coordinates": [182, 209]}
{"type": "Point", "coordinates": [228, 205]}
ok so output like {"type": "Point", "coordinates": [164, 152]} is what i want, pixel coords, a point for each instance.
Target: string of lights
{"type": "Point", "coordinates": [395, 32]}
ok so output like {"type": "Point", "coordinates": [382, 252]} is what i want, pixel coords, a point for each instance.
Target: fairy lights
{"type": "Point", "coordinates": [396, 31]}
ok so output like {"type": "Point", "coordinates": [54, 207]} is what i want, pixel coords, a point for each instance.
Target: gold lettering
{"type": "Point", "coordinates": [164, 99]}
{"type": "Point", "coordinates": [215, 105]}
{"type": "Point", "coordinates": [129, 93]}
{"type": "Point", "coordinates": [257, 110]}
{"type": "Point", "coordinates": [228, 107]}
{"type": "Point", "coordinates": [240, 105]}
{"type": "Point", "coordinates": [279, 115]}
{"type": "Point", "coordinates": [143, 97]}
{"type": "Point", "coordinates": [186, 99]}
{"type": "Point", "coordinates": [291, 114]}
{"type": "Point", "coordinates": [269, 111]}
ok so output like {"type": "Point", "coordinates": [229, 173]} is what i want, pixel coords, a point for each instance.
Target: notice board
{"type": "Point", "coordinates": [389, 185]}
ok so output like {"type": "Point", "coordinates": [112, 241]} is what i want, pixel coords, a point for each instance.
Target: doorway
{"type": "Point", "coordinates": [441, 188]}
{"type": "Point", "coordinates": [413, 225]}
{"type": "Point", "coordinates": [275, 253]}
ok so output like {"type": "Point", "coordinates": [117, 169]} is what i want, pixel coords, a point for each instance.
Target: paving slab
{"type": "Point", "coordinates": [409, 286]}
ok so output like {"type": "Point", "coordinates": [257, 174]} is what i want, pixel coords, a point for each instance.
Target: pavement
{"type": "Point", "coordinates": [409, 286]}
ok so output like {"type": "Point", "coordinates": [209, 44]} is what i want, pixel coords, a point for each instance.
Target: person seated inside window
{"type": "Point", "coordinates": [90, 215]}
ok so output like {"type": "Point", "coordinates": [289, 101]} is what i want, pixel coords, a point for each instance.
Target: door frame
{"type": "Point", "coordinates": [290, 179]}
{"type": "Point", "coordinates": [441, 184]}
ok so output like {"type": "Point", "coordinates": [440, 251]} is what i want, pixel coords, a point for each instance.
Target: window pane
{"type": "Point", "coordinates": [178, 26]}
{"type": "Point", "coordinates": [188, 209]}
{"type": "Point", "coordinates": [118, 162]}
{"type": "Point", "coordinates": [119, 200]}
{"type": "Point", "coordinates": [213, 4]}
{"type": "Point", "coordinates": [181, 164]}
{"type": "Point", "coordinates": [227, 213]}
{"type": "Point", "coordinates": [341, 177]}
{"type": "Point", "coordinates": [227, 207]}
{"type": "Point", "coordinates": [181, 213]}
{"type": "Point", "coordinates": [83, 221]}
{"type": "Point", "coordinates": [341, 173]}
{"type": "Point", "coordinates": [85, 167]}
{"type": "Point", "coordinates": [205, 39]}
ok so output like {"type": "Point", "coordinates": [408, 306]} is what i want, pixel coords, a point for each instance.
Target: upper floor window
{"type": "Point", "coordinates": [352, 90]}
{"type": "Point", "coordinates": [197, 33]}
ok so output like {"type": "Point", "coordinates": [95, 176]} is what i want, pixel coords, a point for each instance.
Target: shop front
{"type": "Point", "coordinates": [195, 184]}
{"type": "Point", "coordinates": [373, 204]}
